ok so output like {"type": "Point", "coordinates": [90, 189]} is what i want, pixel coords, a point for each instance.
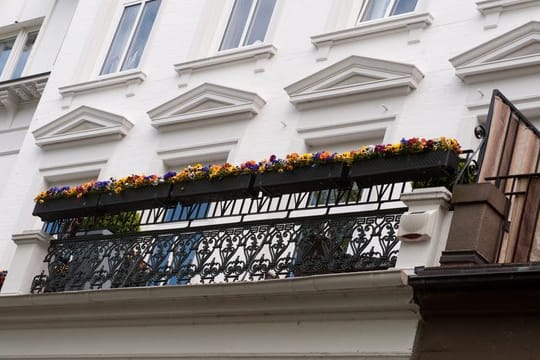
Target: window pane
{"type": "Point", "coordinates": [141, 35]}
{"type": "Point", "coordinates": [120, 40]}
{"type": "Point", "coordinates": [404, 6]}
{"type": "Point", "coordinates": [6, 46]}
{"type": "Point", "coordinates": [237, 24]}
{"type": "Point", "coordinates": [23, 57]}
{"type": "Point", "coordinates": [375, 9]}
{"type": "Point", "coordinates": [260, 21]}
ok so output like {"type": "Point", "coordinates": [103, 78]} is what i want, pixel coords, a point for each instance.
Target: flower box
{"type": "Point", "coordinates": [400, 168]}
{"type": "Point", "coordinates": [303, 179]}
{"type": "Point", "coordinates": [204, 190]}
{"type": "Point", "coordinates": [136, 199]}
{"type": "Point", "coordinates": [66, 208]}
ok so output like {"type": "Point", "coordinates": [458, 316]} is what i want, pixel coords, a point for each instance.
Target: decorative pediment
{"type": "Point", "coordinates": [352, 79]}
{"type": "Point", "coordinates": [514, 53]}
{"type": "Point", "coordinates": [82, 125]}
{"type": "Point", "coordinates": [207, 102]}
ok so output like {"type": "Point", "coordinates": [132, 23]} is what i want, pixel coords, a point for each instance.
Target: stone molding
{"type": "Point", "coordinates": [410, 23]}
{"type": "Point", "coordinates": [82, 124]}
{"type": "Point", "coordinates": [515, 53]}
{"type": "Point", "coordinates": [256, 53]}
{"type": "Point", "coordinates": [354, 78]}
{"type": "Point", "coordinates": [129, 79]}
{"type": "Point", "coordinates": [203, 103]}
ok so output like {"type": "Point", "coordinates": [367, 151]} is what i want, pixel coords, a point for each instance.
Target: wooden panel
{"type": "Point", "coordinates": [494, 148]}
{"type": "Point", "coordinates": [528, 223]}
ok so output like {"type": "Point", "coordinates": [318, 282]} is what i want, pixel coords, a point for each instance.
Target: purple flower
{"type": "Point", "coordinates": [273, 158]}
{"type": "Point", "coordinates": [100, 185]}
{"type": "Point", "coordinates": [168, 175]}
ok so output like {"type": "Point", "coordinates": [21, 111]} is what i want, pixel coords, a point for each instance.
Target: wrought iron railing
{"type": "Point", "coordinates": [327, 231]}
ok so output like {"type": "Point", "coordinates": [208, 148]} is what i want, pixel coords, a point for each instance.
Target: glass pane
{"type": "Point", "coordinates": [140, 38]}
{"type": "Point", "coordinates": [260, 21]}
{"type": "Point", "coordinates": [375, 9]}
{"type": "Point", "coordinates": [120, 40]}
{"type": "Point", "coordinates": [404, 6]}
{"type": "Point", "coordinates": [6, 46]}
{"type": "Point", "coordinates": [237, 24]}
{"type": "Point", "coordinates": [23, 57]}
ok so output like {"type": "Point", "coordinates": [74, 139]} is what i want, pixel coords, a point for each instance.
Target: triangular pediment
{"type": "Point", "coordinates": [82, 125]}
{"type": "Point", "coordinates": [514, 53]}
{"type": "Point", "coordinates": [206, 102]}
{"type": "Point", "coordinates": [352, 79]}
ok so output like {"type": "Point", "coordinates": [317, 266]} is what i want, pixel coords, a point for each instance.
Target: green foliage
{"type": "Point", "coordinates": [122, 223]}
{"type": "Point", "coordinates": [448, 182]}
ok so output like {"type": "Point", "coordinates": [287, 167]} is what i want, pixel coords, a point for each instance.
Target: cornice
{"type": "Point", "coordinates": [377, 294]}
{"type": "Point", "coordinates": [22, 90]}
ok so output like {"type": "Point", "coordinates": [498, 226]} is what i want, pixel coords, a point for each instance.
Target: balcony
{"type": "Point", "coordinates": [325, 219]}
{"type": "Point", "coordinates": [291, 235]}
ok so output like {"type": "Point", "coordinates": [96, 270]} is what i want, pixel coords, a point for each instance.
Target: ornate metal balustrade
{"type": "Point", "coordinates": [291, 235]}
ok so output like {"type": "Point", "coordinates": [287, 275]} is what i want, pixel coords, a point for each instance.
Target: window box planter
{"type": "Point", "coordinates": [201, 191]}
{"type": "Point", "coordinates": [66, 208]}
{"type": "Point", "coordinates": [136, 199]}
{"type": "Point", "coordinates": [303, 179]}
{"type": "Point", "coordinates": [400, 168]}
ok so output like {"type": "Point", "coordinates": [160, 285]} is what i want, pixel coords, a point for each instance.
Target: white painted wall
{"type": "Point", "coordinates": [191, 29]}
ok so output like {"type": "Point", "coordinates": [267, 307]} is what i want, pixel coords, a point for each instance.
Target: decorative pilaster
{"type": "Point", "coordinates": [27, 262]}
{"type": "Point", "coordinates": [424, 228]}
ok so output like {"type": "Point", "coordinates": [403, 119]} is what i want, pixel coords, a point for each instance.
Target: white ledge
{"type": "Point", "coordinates": [364, 294]}
{"type": "Point", "coordinates": [255, 53]}
{"type": "Point", "coordinates": [489, 6]}
{"type": "Point", "coordinates": [404, 22]}
{"type": "Point", "coordinates": [125, 78]}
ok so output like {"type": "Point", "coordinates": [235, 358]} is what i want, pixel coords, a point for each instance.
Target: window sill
{"type": "Point", "coordinates": [489, 6]}
{"type": "Point", "coordinates": [255, 53]}
{"type": "Point", "coordinates": [492, 9]}
{"type": "Point", "coordinates": [401, 23]}
{"type": "Point", "coordinates": [127, 78]}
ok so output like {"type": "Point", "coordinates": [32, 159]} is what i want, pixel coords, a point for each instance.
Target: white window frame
{"type": "Point", "coordinates": [387, 12]}
{"type": "Point", "coordinates": [116, 24]}
{"type": "Point", "coordinates": [16, 51]}
{"type": "Point", "coordinates": [247, 27]}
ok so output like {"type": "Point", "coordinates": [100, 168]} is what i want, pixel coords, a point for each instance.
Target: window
{"type": "Point", "coordinates": [377, 9]}
{"type": "Point", "coordinates": [14, 52]}
{"type": "Point", "coordinates": [131, 36]}
{"type": "Point", "coordinates": [248, 23]}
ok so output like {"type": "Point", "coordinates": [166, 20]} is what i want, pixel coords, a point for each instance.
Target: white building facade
{"type": "Point", "coordinates": [93, 89]}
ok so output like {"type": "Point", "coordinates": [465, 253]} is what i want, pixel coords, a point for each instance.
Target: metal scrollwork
{"type": "Point", "coordinates": [278, 249]}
